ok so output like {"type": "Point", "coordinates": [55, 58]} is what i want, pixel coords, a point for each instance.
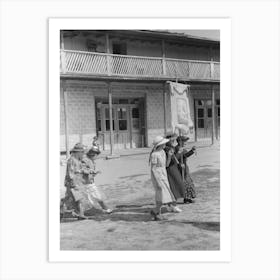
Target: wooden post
{"type": "Point", "coordinates": [213, 117]}
{"type": "Point", "coordinates": [65, 103]}
{"type": "Point", "coordinates": [211, 64]}
{"type": "Point", "coordinates": [164, 108]}
{"type": "Point", "coordinates": [195, 121]}
{"type": "Point", "coordinates": [111, 119]}
{"type": "Point", "coordinates": [108, 51]}
{"type": "Point", "coordinates": [62, 53]}
{"type": "Point", "coordinates": [163, 57]}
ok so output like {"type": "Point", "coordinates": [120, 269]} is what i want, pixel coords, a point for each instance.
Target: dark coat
{"type": "Point", "coordinates": [176, 183]}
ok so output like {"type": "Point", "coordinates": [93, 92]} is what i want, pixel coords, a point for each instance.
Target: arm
{"type": "Point", "coordinates": [185, 152]}
{"type": "Point", "coordinates": [191, 152]}
{"type": "Point", "coordinates": [169, 155]}
{"type": "Point", "coordinates": [89, 168]}
{"type": "Point", "coordinates": [71, 172]}
{"type": "Point", "coordinates": [153, 163]}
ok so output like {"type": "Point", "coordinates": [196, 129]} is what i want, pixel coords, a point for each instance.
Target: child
{"type": "Point", "coordinates": [184, 169]}
{"type": "Point", "coordinates": [89, 174]}
{"type": "Point", "coordinates": [163, 194]}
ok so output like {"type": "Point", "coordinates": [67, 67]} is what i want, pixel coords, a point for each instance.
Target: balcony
{"type": "Point", "coordinates": [80, 63]}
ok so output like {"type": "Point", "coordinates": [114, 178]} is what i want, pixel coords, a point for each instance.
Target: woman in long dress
{"type": "Point", "coordinates": [190, 193]}
{"type": "Point", "coordinates": [175, 179]}
{"type": "Point", "coordinates": [163, 194]}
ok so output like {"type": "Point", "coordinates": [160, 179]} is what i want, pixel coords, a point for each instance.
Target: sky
{"type": "Point", "coordinates": [211, 34]}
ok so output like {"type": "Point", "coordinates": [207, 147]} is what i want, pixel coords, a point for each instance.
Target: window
{"type": "Point", "coordinates": [122, 117]}
{"type": "Point", "coordinates": [91, 46]}
{"type": "Point", "coordinates": [119, 48]}
{"type": "Point", "coordinates": [135, 113]}
{"type": "Point", "coordinates": [209, 112]}
{"type": "Point", "coordinates": [107, 119]}
{"type": "Point", "coordinates": [200, 112]}
{"type": "Point", "coordinates": [200, 123]}
{"type": "Point", "coordinates": [134, 101]}
{"type": "Point", "coordinates": [135, 118]}
{"type": "Point", "coordinates": [98, 116]}
{"type": "Point", "coordinates": [123, 101]}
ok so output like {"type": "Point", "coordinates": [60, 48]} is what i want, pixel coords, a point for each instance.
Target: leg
{"type": "Point", "coordinates": [81, 210]}
{"type": "Point", "coordinates": [156, 213]}
{"type": "Point", "coordinates": [104, 206]}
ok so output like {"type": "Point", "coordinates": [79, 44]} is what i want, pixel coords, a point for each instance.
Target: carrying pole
{"type": "Point", "coordinates": [111, 119]}
{"type": "Point", "coordinates": [182, 158]}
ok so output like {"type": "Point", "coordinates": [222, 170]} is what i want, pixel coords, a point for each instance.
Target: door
{"type": "Point", "coordinates": [203, 119]}
{"type": "Point", "coordinates": [137, 138]}
{"type": "Point", "coordinates": [122, 132]}
{"type": "Point", "coordinates": [204, 114]}
{"type": "Point", "coordinates": [127, 125]}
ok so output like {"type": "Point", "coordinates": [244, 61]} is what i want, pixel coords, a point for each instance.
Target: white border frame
{"type": "Point", "coordinates": [55, 254]}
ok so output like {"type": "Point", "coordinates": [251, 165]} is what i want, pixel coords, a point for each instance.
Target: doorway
{"type": "Point", "coordinates": [128, 123]}
{"type": "Point", "coordinates": [203, 117]}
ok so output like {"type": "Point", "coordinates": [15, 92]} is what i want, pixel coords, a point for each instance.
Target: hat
{"type": "Point", "coordinates": [171, 136]}
{"type": "Point", "coordinates": [94, 150]}
{"type": "Point", "coordinates": [79, 147]}
{"type": "Point", "coordinates": [182, 138]}
{"type": "Point", "coordinates": [159, 140]}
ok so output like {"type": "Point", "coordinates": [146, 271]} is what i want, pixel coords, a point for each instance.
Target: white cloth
{"type": "Point", "coordinates": [180, 108]}
{"type": "Point", "coordinates": [93, 193]}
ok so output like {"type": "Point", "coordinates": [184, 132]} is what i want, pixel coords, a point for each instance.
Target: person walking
{"type": "Point", "coordinates": [183, 152]}
{"type": "Point", "coordinates": [157, 160]}
{"type": "Point", "coordinates": [176, 182]}
{"type": "Point", "coordinates": [91, 190]}
{"type": "Point", "coordinates": [73, 182]}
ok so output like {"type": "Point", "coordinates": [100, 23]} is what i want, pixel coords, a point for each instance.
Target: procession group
{"type": "Point", "coordinates": [170, 177]}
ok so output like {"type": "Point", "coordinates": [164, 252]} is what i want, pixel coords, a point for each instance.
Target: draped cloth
{"type": "Point", "coordinates": [180, 109]}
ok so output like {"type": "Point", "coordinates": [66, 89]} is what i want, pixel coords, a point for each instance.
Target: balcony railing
{"type": "Point", "coordinates": [90, 63]}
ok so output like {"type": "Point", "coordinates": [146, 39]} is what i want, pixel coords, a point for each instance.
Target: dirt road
{"type": "Point", "coordinates": [127, 186]}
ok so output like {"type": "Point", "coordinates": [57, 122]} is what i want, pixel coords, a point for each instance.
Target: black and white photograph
{"type": "Point", "coordinates": [140, 139]}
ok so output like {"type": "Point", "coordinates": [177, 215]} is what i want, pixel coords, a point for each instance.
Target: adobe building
{"type": "Point", "coordinates": [128, 71]}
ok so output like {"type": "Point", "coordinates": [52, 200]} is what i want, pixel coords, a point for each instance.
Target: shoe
{"type": "Point", "coordinates": [176, 209]}
{"type": "Point", "coordinates": [156, 217]}
{"type": "Point", "coordinates": [159, 218]}
{"type": "Point", "coordinates": [153, 214]}
{"type": "Point", "coordinates": [188, 200]}
{"type": "Point", "coordinates": [107, 211]}
{"type": "Point", "coordinates": [82, 217]}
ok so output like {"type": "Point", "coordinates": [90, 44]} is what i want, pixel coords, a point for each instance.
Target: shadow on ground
{"type": "Point", "coordinates": [128, 189]}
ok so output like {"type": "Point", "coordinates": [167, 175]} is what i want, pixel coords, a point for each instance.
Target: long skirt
{"type": "Point", "coordinates": [176, 183]}
{"type": "Point", "coordinates": [189, 185]}
{"type": "Point", "coordinates": [163, 194]}
{"type": "Point", "coordinates": [190, 189]}
{"type": "Point", "coordinates": [86, 194]}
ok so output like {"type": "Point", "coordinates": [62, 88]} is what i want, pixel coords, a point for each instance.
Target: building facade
{"type": "Point", "coordinates": [114, 85]}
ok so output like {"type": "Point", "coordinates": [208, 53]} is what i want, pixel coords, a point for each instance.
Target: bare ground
{"type": "Point", "coordinates": [127, 186]}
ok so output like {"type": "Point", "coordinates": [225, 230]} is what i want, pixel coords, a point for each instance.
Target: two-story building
{"type": "Point", "coordinates": [114, 85]}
